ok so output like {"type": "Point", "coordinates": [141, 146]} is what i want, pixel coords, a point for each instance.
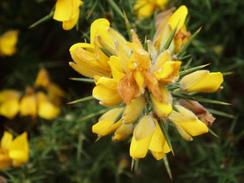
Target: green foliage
{"type": "Point", "coordinates": [65, 150]}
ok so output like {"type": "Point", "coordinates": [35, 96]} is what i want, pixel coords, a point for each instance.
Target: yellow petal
{"type": "Point", "coordinates": [123, 132]}
{"type": "Point", "coordinates": [19, 150]}
{"type": "Point", "coordinates": [10, 108]}
{"type": "Point", "coordinates": [145, 11]}
{"type": "Point", "coordinates": [162, 108]}
{"type": "Point", "coordinates": [86, 62]}
{"type": "Point", "coordinates": [144, 128]}
{"type": "Point", "coordinates": [97, 26]}
{"type": "Point", "coordinates": [202, 81]}
{"type": "Point", "coordinates": [65, 9]}
{"type": "Point", "coordinates": [47, 110]}
{"type": "Point", "coordinates": [139, 78]}
{"type": "Point", "coordinates": [6, 140]}
{"type": "Point", "coordinates": [187, 123]}
{"type": "Point", "coordinates": [28, 106]}
{"type": "Point", "coordinates": [133, 110]}
{"type": "Point", "coordinates": [6, 95]}
{"type": "Point", "coordinates": [161, 3]}
{"type": "Point", "coordinates": [116, 68]}
{"type": "Point", "coordinates": [139, 148]}
{"type": "Point", "coordinates": [158, 145]}
{"type": "Point", "coordinates": [69, 24]}
{"type": "Point", "coordinates": [107, 122]}
{"type": "Point", "coordinates": [106, 91]}
{"type": "Point", "coordinates": [177, 20]}
{"type": "Point", "coordinates": [8, 43]}
{"type": "Point", "coordinates": [42, 79]}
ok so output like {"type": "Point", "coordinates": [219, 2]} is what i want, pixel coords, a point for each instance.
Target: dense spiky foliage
{"type": "Point", "coordinates": [64, 150]}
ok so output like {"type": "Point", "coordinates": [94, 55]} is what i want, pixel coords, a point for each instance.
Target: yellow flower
{"type": "Point", "coordinates": [145, 8]}
{"type": "Point", "coordinates": [67, 12]}
{"type": "Point", "coordinates": [8, 42]}
{"type": "Point", "coordinates": [9, 103]}
{"type": "Point", "coordinates": [28, 105]}
{"type": "Point", "coordinates": [45, 108]}
{"type": "Point", "coordinates": [187, 123]}
{"type": "Point", "coordinates": [108, 122]}
{"type": "Point", "coordinates": [202, 81]}
{"type": "Point", "coordinates": [148, 136]}
{"type": "Point", "coordinates": [166, 23]}
{"type": "Point", "coordinates": [13, 152]}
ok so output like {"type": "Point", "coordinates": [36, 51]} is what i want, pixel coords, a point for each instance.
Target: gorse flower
{"type": "Point", "coordinates": [145, 8]}
{"type": "Point", "coordinates": [13, 152]}
{"type": "Point", "coordinates": [144, 85]}
{"type": "Point", "coordinates": [8, 41]}
{"type": "Point", "coordinates": [43, 99]}
{"type": "Point", "coordinates": [67, 12]}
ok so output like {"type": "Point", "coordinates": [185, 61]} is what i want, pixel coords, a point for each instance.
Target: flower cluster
{"type": "Point", "coordinates": [41, 100]}
{"type": "Point", "coordinates": [142, 85]}
{"type": "Point", "coordinates": [13, 152]}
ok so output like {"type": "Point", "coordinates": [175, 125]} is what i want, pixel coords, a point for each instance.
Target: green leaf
{"type": "Point", "coordinates": [82, 100]}
{"type": "Point", "coordinates": [166, 164]}
{"type": "Point", "coordinates": [86, 80]}
{"type": "Point", "coordinates": [43, 19]}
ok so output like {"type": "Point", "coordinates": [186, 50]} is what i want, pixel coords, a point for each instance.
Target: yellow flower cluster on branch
{"type": "Point", "coordinates": [13, 152]}
{"type": "Point", "coordinates": [139, 84]}
{"type": "Point", "coordinates": [43, 99]}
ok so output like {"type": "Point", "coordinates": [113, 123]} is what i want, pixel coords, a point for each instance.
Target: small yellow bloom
{"type": "Point", "coordinates": [9, 103]}
{"type": "Point", "coordinates": [148, 136]}
{"type": "Point", "coordinates": [67, 12]}
{"type": "Point", "coordinates": [108, 122]}
{"type": "Point", "coordinates": [42, 79]}
{"type": "Point", "coordinates": [13, 152]}
{"type": "Point", "coordinates": [45, 108]}
{"type": "Point", "coordinates": [28, 105]}
{"type": "Point", "coordinates": [202, 81]}
{"type": "Point", "coordinates": [8, 42]}
{"type": "Point", "coordinates": [166, 23]}
{"type": "Point", "coordinates": [145, 8]}
{"type": "Point", "coordinates": [187, 123]}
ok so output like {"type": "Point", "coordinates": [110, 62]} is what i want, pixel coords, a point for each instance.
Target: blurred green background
{"type": "Point", "coordinates": [65, 150]}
